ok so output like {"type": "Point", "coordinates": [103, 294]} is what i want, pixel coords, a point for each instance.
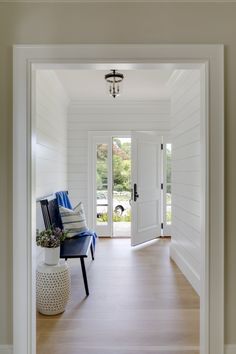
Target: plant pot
{"type": "Point", "coordinates": [51, 255]}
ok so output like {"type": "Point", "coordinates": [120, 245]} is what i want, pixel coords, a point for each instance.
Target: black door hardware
{"type": "Point", "coordinates": [136, 196]}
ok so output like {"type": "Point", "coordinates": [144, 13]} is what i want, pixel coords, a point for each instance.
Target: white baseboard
{"type": "Point", "coordinates": [6, 349]}
{"type": "Point", "coordinates": [230, 349]}
{"type": "Point", "coordinates": [185, 268]}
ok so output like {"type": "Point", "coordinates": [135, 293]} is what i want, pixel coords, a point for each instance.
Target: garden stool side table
{"type": "Point", "coordinates": [53, 286]}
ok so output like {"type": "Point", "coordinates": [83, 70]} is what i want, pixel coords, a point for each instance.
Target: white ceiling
{"type": "Point", "coordinates": [137, 84]}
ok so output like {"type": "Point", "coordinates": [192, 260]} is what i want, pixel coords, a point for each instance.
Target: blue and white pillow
{"type": "Point", "coordinates": [74, 221]}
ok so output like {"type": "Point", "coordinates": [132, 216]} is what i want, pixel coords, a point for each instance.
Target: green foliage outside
{"type": "Point", "coordinates": [116, 218]}
{"type": "Point", "coordinates": [168, 163]}
{"type": "Point", "coordinates": [124, 217]}
{"type": "Point", "coordinates": [102, 217]}
{"type": "Point", "coordinates": [102, 167]}
{"type": "Point", "coordinates": [168, 198]}
{"type": "Point", "coordinates": [121, 161]}
{"type": "Point", "coordinates": [168, 183]}
{"type": "Point", "coordinates": [121, 153]}
{"type": "Point", "coordinates": [168, 216]}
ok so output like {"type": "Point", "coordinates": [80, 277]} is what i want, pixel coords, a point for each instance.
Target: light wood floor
{"type": "Point", "coordinates": [139, 303]}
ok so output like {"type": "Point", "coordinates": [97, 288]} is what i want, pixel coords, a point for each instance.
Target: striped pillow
{"type": "Point", "coordinates": [73, 221]}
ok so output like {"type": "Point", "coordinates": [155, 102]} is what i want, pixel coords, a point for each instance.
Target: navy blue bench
{"type": "Point", "coordinates": [76, 247]}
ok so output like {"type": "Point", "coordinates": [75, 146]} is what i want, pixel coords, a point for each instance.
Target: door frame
{"type": "Point", "coordinates": [26, 58]}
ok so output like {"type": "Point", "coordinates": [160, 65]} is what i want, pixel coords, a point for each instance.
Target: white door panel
{"type": "Point", "coordinates": [146, 223]}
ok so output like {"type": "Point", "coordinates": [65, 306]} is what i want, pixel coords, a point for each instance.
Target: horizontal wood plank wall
{"type": "Point", "coordinates": [51, 106]}
{"type": "Point", "coordinates": [106, 116]}
{"type": "Point", "coordinates": [186, 174]}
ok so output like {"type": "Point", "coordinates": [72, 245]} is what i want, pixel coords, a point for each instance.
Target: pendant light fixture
{"type": "Point", "coordinates": [114, 80]}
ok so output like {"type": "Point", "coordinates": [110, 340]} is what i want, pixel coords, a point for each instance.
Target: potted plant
{"type": "Point", "coordinates": [50, 239]}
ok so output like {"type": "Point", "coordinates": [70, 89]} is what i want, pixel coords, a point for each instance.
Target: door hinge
{"type": "Point", "coordinates": [162, 186]}
{"type": "Point", "coordinates": [162, 226]}
{"type": "Point", "coordinates": [162, 146]}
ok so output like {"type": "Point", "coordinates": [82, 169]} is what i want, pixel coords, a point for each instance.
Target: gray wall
{"type": "Point", "coordinates": [96, 23]}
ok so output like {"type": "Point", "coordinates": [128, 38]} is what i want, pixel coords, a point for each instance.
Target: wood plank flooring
{"type": "Point", "coordinates": [139, 303]}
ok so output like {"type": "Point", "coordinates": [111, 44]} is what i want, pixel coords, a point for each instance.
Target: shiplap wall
{"type": "Point", "coordinates": [106, 116]}
{"type": "Point", "coordinates": [51, 106]}
{"type": "Point", "coordinates": [186, 174]}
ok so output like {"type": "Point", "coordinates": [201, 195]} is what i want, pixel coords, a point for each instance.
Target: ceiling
{"type": "Point", "coordinates": [137, 84]}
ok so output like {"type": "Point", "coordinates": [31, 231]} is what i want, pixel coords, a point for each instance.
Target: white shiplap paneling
{"type": "Point", "coordinates": [186, 175]}
{"type": "Point", "coordinates": [103, 116]}
{"type": "Point", "coordinates": [51, 134]}
{"type": "Point", "coordinates": [51, 106]}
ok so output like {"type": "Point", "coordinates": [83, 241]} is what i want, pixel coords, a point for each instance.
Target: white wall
{"type": "Point", "coordinates": [51, 137]}
{"type": "Point", "coordinates": [186, 174]}
{"type": "Point", "coordinates": [106, 116]}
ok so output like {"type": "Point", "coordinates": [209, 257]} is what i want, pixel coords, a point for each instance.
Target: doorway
{"type": "Point", "coordinates": [24, 336]}
{"type": "Point", "coordinates": [110, 166]}
{"type": "Point", "coordinates": [127, 179]}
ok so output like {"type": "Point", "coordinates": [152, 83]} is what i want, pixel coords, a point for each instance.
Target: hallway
{"type": "Point", "coordinates": [139, 303]}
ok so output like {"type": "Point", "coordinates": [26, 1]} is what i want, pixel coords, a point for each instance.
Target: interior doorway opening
{"type": "Point", "coordinates": [21, 73]}
{"type": "Point", "coordinates": [119, 169]}
{"type": "Point", "coordinates": [129, 166]}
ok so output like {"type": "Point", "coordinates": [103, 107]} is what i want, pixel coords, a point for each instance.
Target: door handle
{"type": "Point", "coordinates": [136, 195]}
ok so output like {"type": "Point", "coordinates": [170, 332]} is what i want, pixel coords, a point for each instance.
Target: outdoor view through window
{"type": "Point", "coordinates": [121, 182]}
{"type": "Point", "coordinates": [168, 184]}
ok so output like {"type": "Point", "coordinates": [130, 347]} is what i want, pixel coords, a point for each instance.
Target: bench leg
{"type": "Point", "coordinates": [84, 276]}
{"type": "Point", "coordinates": [92, 251]}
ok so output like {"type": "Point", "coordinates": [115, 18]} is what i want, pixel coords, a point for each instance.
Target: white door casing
{"type": "Point", "coordinates": [210, 58]}
{"type": "Point", "coordinates": [145, 160]}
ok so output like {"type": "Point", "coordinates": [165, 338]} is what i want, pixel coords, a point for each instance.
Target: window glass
{"type": "Point", "coordinates": [102, 184]}
{"type": "Point", "coordinates": [168, 184]}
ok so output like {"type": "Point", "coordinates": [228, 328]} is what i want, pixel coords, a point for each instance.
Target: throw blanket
{"type": "Point", "coordinates": [89, 233]}
{"type": "Point", "coordinates": [63, 200]}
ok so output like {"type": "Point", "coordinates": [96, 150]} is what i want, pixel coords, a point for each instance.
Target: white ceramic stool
{"type": "Point", "coordinates": [53, 287]}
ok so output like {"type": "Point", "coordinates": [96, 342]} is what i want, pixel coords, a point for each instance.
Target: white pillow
{"type": "Point", "coordinates": [74, 220]}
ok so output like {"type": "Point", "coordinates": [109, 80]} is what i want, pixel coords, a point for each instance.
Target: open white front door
{"type": "Point", "coordinates": [146, 187]}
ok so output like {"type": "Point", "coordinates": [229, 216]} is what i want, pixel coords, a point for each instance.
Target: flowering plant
{"type": "Point", "coordinates": [51, 238]}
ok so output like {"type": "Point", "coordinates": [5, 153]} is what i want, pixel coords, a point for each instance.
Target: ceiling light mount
{"type": "Point", "coordinates": [114, 79]}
